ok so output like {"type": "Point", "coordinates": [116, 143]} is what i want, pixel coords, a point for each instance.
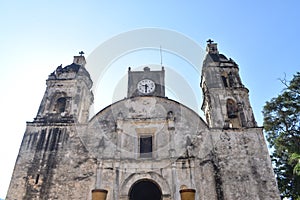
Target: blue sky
{"type": "Point", "coordinates": [37, 36]}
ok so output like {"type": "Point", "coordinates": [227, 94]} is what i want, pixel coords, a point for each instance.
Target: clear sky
{"type": "Point", "coordinates": [37, 36]}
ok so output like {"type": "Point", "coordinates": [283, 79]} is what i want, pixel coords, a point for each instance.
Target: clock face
{"type": "Point", "coordinates": [146, 86]}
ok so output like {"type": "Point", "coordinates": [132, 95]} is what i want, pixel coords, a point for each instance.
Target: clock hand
{"type": "Point", "coordinates": [146, 86]}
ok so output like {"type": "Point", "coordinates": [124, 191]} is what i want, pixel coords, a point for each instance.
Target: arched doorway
{"type": "Point", "coordinates": [145, 190]}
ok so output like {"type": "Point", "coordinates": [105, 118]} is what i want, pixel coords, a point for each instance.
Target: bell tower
{"type": "Point", "coordinates": [68, 94]}
{"type": "Point", "coordinates": [54, 135]}
{"type": "Point", "coordinates": [225, 99]}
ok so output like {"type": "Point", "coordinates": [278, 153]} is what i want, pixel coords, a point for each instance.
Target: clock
{"type": "Point", "coordinates": [146, 86]}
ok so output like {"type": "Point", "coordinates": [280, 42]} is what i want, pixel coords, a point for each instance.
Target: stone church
{"type": "Point", "coordinates": [145, 146]}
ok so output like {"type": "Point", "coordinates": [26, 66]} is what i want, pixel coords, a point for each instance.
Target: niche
{"type": "Point", "coordinates": [232, 109]}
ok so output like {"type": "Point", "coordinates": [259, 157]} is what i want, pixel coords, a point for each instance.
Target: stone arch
{"type": "Point", "coordinates": [224, 77]}
{"type": "Point", "coordinates": [151, 176]}
{"type": "Point", "coordinates": [145, 189]}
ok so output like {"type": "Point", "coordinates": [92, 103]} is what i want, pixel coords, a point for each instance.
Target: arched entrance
{"type": "Point", "coordinates": [145, 190]}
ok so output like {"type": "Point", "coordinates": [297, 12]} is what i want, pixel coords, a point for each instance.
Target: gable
{"type": "Point", "coordinates": [122, 125]}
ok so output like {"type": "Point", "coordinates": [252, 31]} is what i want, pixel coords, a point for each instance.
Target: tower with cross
{"type": "Point", "coordinates": [211, 47]}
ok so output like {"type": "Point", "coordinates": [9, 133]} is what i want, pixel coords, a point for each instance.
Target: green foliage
{"type": "Point", "coordinates": [295, 158]}
{"type": "Point", "coordinates": [282, 128]}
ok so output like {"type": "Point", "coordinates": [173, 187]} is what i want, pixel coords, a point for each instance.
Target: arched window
{"type": "Point", "coordinates": [60, 105]}
{"type": "Point", "coordinates": [232, 111]}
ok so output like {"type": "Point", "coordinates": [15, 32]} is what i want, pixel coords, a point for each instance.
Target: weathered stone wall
{"type": "Point", "coordinates": [67, 161]}
{"type": "Point", "coordinates": [243, 164]}
{"type": "Point", "coordinates": [52, 164]}
{"type": "Point", "coordinates": [121, 123]}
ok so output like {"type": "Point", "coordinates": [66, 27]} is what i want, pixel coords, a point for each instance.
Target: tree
{"type": "Point", "coordinates": [282, 129]}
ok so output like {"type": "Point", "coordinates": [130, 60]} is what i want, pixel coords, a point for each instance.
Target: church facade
{"type": "Point", "coordinates": [145, 146]}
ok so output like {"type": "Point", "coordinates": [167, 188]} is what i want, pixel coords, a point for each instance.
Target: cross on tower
{"type": "Point", "coordinates": [209, 41]}
{"type": "Point", "coordinates": [81, 53]}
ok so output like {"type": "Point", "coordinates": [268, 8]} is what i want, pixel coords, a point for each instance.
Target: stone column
{"type": "Point", "coordinates": [98, 175]}
{"type": "Point", "coordinates": [174, 181]}
{"type": "Point", "coordinates": [119, 130]}
{"type": "Point", "coordinates": [171, 129]}
{"type": "Point", "coordinates": [97, 193]}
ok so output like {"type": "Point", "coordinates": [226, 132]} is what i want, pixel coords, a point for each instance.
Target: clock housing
{"type": "Point", "coordinates": [146, 83]}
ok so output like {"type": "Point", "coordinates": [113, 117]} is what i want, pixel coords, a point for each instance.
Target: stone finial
{"type": "Point", "coordinates": [147, 69]}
